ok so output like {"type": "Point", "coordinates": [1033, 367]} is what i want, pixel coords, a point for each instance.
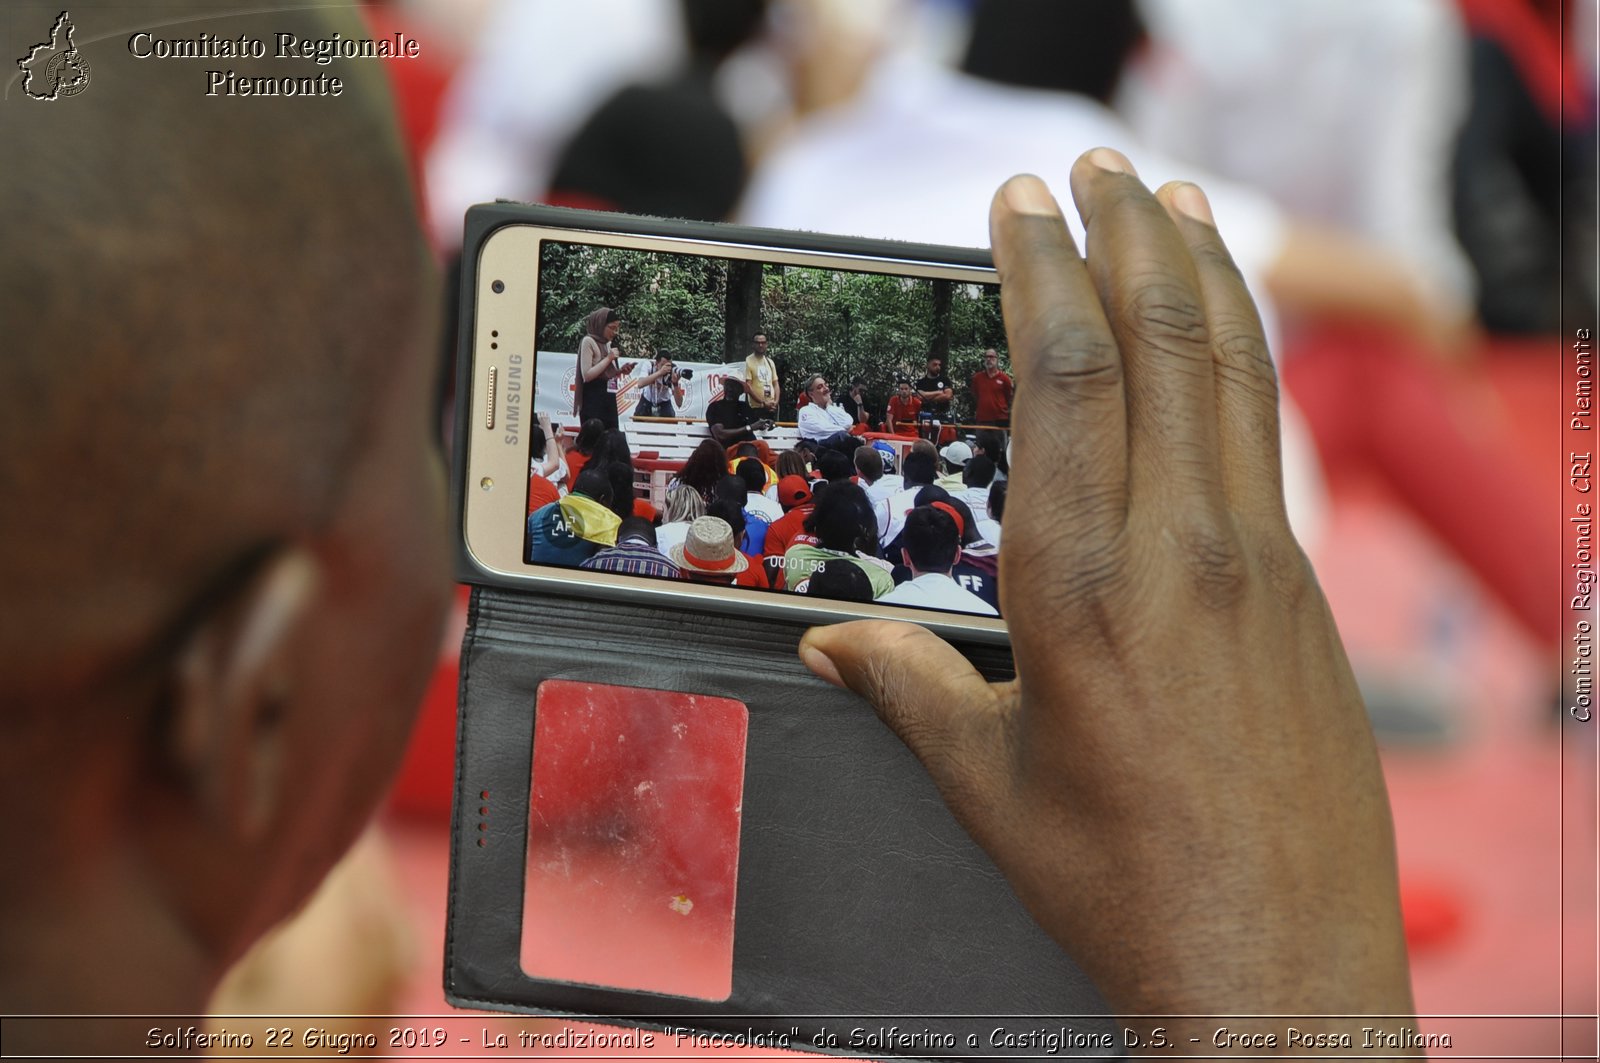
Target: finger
{"type": "Point", "coordinates": [1069, 456]}
{"type": "Point", "coordinates": [948, 715]}
{"type": "Point", "coordinates": [1245, 380]}
{"type": "Point", "coordinates": [1151, 294]}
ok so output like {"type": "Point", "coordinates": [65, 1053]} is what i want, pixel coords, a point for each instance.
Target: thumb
{"type": "Point", "coordinates": [951, 718]}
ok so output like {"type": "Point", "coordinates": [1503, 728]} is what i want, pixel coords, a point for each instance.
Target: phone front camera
{"type": "Point", "coordinates": [497, 287]}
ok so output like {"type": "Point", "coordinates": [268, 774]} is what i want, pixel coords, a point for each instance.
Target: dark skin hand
{"type": "Point", "coordinates": [1181, 783]}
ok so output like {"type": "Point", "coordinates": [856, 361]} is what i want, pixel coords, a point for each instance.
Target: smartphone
{"type": "Point", "coordinates": [568, 319]}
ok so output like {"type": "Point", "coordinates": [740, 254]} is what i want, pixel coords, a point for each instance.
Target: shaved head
{"type": "Point", "coordinates": [200, 295]}
{"type": "Point", "coordinates": [221, 500]}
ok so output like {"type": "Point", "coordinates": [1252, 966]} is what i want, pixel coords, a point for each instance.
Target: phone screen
{"type": "Point", "coordinates": [797, 430]}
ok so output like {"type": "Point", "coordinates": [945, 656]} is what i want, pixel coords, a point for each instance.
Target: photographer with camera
{"type": "Point", "coordinates": [661, 392]}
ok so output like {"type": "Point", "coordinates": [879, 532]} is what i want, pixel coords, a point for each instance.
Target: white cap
{"type": "Point", "coordinates": [957, 453]}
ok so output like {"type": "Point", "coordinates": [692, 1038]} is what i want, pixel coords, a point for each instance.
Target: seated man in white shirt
{"type": "Point", "coordinates": [823, 423]}
{"type": "Point", "coordinates": [871, 475]}
{"type": "Point", "coordinates": [931, 547]}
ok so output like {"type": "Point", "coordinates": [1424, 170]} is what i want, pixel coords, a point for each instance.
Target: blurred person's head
{"type": "Point", "coordinates": [791, 463]}
{"type": "Point", "coordinates": [667, 149]}
{"type": "Point", "coordinates": [819, 391]}
{"type": "Point", "coordinates": [715, 29]}
{"type": "Point", "coordinates": [991, 443]}
{"type": "Point", "coordinates": [903, 389]}
{"type": "Point", "coordinates": [595, 482]}
{"type": "Point", "coordinates": [886, 456]}
{"type": "Point", "coordinates": [793, 491]}
{"type": "Point", "coordinates": [920, 467]}
{"type": "Point", "coordinates": [620, 476]}
{"type": "Point", "coordinates": [839, 580]}
{"type": "Point", "coordinates": [979, 471]}
{"type": "Point", "coordinates": [869, 464]}
{"type": "Point", "coordinates": [955, 456]}
{"type": "Point", "coordinates": [991, 361]}
{"type": "Point", "coordinates": [931, 542]}
{"type": "Point", "coordinates": [213, 657]}
{"type": "Point", "coordinates": [843, 519]}
{"type": "Point", "coordinates": [730, 513]}
{"type": "Point", "coordinates": [753, 473]}
{"type": "Point", "coordinates": [997, 500]}
{"type": "Point", "coordinates": [590, 435]}
{"type": "Point", "coordinates": [732, 387]}
{"type": "Point", "coordinates": [707, 464]}
{"type": "Point", "coordinates": [758, 344]}
{"type": "Point", "coordinates": [710, 552]}
{"type": "Point", "coordinates": [602, 325]}
{"type": "Point", "coordinates": [1079, 47]}
{"type": "Point", "coordinates": [935, 364]}
{"type": "Point", "coordinates": [614, 447]}
{"type": "Point", "coordinates": [730, 488]}
{"type": "Point", "coordinates": [636, 528]}
{"type": "Point", "coordinates": [684, 504]}
{"type": "Point", "coordinates": [966, 524]}
{"type": "Point", "coordinates": [835, 466]}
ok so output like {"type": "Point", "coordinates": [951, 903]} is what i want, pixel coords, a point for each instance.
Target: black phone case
{"type": "Point", "coordinates": [861, 904]}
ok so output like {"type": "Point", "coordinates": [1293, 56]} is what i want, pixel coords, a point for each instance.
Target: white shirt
{"type": "Point", "coordinates": [990, 530]}
{"type": "Point", "coordinates": [670, 535]}
{"type": "Point", "coordinates": [1300, 99]}
{"type": "Point", "coordinates": [977, 500]}
{"type": "Point", "coordinates": [892, 513]}
{"type": "Point", "coordinates": [763, 507]}
{"type": "Point", "coordinates": [936, 590]}
{"type": "Point", "coordinates": [919, 153]}
{"type": "Point", "coordinates": [820, 422]}
{"type": "Point", "coordinates": [886, 485]}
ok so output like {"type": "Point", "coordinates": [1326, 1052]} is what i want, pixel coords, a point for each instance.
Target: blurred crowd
{"type": "Point", "coordinates": [1403, 183]}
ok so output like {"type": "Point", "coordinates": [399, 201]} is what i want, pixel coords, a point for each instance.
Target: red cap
{"type": "Point", "coordinates": [793, 490]}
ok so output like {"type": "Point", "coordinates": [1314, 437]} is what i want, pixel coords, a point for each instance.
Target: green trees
{"type": "Point", "coordinates": [841, 324]}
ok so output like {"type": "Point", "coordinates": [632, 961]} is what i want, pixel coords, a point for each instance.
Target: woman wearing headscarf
{"type": "Point", "coordinates": [598, 362]}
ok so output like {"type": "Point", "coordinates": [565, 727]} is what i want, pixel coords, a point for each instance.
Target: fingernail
{"type": "Point", "coordinates": [1112, 161]}
{"type": "Point", "coordinates": [1189, 199]}
{"type": "Point", "coordinates": [1026, 194]}
{"type": "Point", "coordinates": [819, 663]}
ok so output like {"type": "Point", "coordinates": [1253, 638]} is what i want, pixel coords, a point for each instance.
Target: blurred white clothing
{"type": "Point", "coordinates": [1344, 113]}
{"type": "Point", "coordinates": [540, 68]}
{"type": "Point", "coordinates": [919, 154]}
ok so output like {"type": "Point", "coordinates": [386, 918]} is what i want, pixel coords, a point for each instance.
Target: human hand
{"type": "Point", "coordinates": [1181, 783]}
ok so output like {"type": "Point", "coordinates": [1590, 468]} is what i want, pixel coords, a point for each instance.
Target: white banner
{"type": "Point", "coordinates": [556, 374]}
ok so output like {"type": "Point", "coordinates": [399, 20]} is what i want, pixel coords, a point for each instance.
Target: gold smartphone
{"type": "Point", "coordinates": [621, 376]}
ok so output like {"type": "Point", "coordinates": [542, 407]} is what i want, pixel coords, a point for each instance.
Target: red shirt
{"type": "Point", "coordinates": [785, 532]}
{"type": "Point", "coordinates": [753, 576]}
{"type": "Point", "coordinates": [641, 508]}
{"type": "Point", "coordinates": [541, 492]}
{"type": "Point", "coordinates": [575, 463]}
{"type": "Point", "coordinates": [903, 412]}
{"type": "Point", "coordinates": [994, 396]}
{"type": "Point", "coordinates": [780, 535]}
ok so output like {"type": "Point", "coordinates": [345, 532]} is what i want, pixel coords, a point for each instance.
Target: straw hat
{"type": "Point", "coordinates": [709, 548]}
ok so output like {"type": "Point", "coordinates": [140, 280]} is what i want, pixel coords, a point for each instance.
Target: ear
{"type": "Point", "coordinates": [234, 678]}
{"type": "Point", "coordinates": [905, 558]}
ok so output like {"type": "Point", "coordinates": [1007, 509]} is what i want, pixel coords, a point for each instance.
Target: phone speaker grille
{"type": "Point", "coordinates": [488, 419]}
